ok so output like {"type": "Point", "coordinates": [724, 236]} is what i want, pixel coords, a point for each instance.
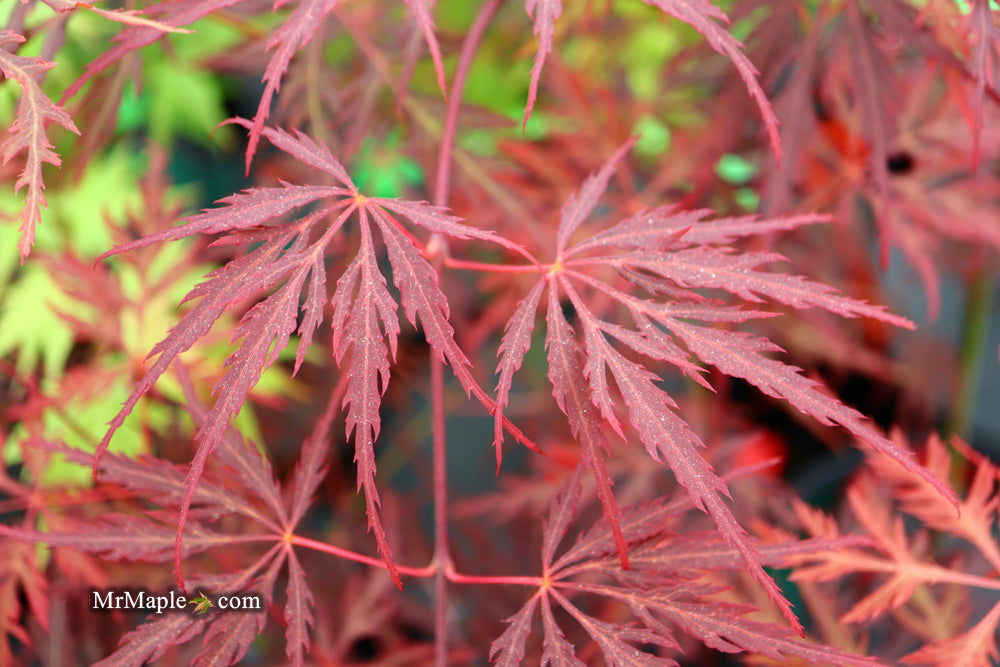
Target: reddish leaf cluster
{"type": "Point", "coordinates": [655, 295]}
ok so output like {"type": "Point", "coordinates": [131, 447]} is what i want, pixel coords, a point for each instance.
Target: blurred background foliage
{"type": "Point", "coordinates": [173, 99]}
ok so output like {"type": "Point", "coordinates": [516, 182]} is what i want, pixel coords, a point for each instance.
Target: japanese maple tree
{"type": "Point", "coordinates": [669, 255]}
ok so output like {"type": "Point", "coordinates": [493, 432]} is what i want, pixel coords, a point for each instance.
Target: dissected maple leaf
{"type": "Point", "coordinates": [666, 589]}
{"type": "Point", "coordinates": [904, 558]}
{"type": "Point", "coordinates": [294, 34]}
{"type": "Point", "coordinates": [34, 111]}
{"type": "Point", "coordinates": [125, 16]}
{"type": "Point", "coordinates": [134, 37]}
{"type": "Point", "coordinates": [20, 580]}
{"type": "Point", "coordinates": [241, 483]}
{"type": "Point", "coordinates": [859, 119]}
{"type": "Point", "coordinates": [285, 42]}
{"type": "Point", "coordinates": [292, 256]}
{"type": "Point", "coordinates": [977, 518]}
{"type": "Point", "coordinates": [670, 253]}
{"type": "Point", "coordinates": [975, 648]}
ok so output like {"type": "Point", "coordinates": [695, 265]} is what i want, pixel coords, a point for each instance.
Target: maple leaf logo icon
{"type": "Point", "coordinates": [202, 603]}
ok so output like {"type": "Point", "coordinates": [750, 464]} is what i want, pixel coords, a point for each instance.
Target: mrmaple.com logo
{"type": "Point", "coordinates": [173, 601]}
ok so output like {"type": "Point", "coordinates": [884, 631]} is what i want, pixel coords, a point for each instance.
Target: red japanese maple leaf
{"type": "Point", "coordinates": [34, 111]}
{"type": "Point", "coordinates": [663, 590]}
{"type": "Point", "coordinates": [239, 485]}
{"type": "Point", "coordinates": [291, 255]}
{"type": "Point", "coordinates": [670, 253]}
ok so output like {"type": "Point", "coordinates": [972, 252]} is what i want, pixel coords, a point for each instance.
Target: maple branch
{"type": "Point", "coordinates": [421, 572]}
{"type": "Point", "coordinates": [359, 558]}
{"type": "Point", "coordinates": [442, 559]}
{"type": "Point", "coordinates": [467, 265]}
{"type": "Point", "coordinates": [459, 578]}
{"type": "Point", "coordinates": [442, 181]}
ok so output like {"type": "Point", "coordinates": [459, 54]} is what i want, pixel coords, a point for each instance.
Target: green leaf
{"type": "Point", "coordinates": [74, 424]}
{"type": "Point", "coordinates": [29, 325]}
{"type": "Point", "coordinates": [735, 169]}
{"type": "Point", "coordinates": [184, 100]}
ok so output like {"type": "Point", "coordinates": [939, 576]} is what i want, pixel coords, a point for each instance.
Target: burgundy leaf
{"type": "Point", "coordinates": [513, 347]}
{"type": "Point", "coordinates": [724, 629]}
{"type": "Point", "coordinates": [312, 465]}
{"type": "Point", "coordinates": [228, 638]}
{"type": "Point", "coordinates": [298, 612]}
{"type": "Point", "coordinates": [301, 147]}
{"type": "Point", "coordinates": [151, 640]}
{"type": "Point", "coordinates": [702, 15]}
{"type": "Point", "coordinates": [422, 298]}
{"type": "Point", "coordinates": [543, 14]}
{"type": "Point", "coordinates": [176, 13]}
{"type": "Point", "coordinates": [717, 268]}
{"type": "Point", "coordinates": [738, 354]}
{"type": "Point", "coordinates": [253, 469]}
{"type": "Point", "coordinates": [437, 219]}
{"type": "Point", "coordinates": [159, 479]}
{"type": "Point", "coordinates": [562, 510]}
{"type": "Point", "coordinates": [422, 14]}
{"type": "Point", "coordinates": [293, 35]}
{"type": "Point", "coordinates": [557, 652]}
{"type": "Point", "coordinates": [248, 209]}
{"type": "Point", "coordinates": [582, 202]}
{"type": "Point", "coordinates": [362, 331]}
{"type": "Point", "coordinates": [508, 649]}
{"type": "Point", "coordinates": [985, 61]}
{"type": "Point", "coordinates": [615, 640]}
{"type": "Point", "coordinates": [650, 229]}
{"type": "Point", "coordinates": [125, 537]}
{"type": "Point", "coordinates": [668, 438]}
{"type": "Point", "coordinates": [568, 388]}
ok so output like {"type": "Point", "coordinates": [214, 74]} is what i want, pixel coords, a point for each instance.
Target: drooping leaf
{"type": "Point", "coordinates": [568, 387]}
{"type": "Point", "coordinates": [293, 35]}
{"type": "Point", "coordinates": [515, 344]}
{"type": "Point", "coordinates": [361, 325]}
{"type": "Point", "coordinates": [421, 10]}
{"type": "Point", "coordinates": [543, 14]}
{"type": "Point", "coordinates": [34, 111]}
{"type": "Point", "coordinates": [701, 15]}
{"type": "Point", "coordinates": [704, 17]}
{"type": "Point", "coordinates": [508, 649]}
{"type": "Point", "coordinates": [298, 612]}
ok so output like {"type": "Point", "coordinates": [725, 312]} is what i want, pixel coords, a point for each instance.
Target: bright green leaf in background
{"type": "Point", "coordinates": [30, 326]}
{"type": "Point", "coordinates": [382, 171]}
{"type": "Point", "coordinates": [183, 101]}
{"type": "Point", "coordinates": [735, 169]}
{"type": "Point", "coordinates": [79, 423]}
